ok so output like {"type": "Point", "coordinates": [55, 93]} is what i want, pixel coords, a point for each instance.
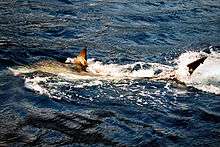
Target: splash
{"type": "Point", "coordinates": [47, 81]}
{"type": "Point", "coordinates": [206, 77]}
{"type": "Point", "coordinates": [115, 71]}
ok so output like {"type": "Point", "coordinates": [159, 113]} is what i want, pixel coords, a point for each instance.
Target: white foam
{"type": "Point", "coordinates": [209, 88]}
{"type": "Point", "coordinates": [206, 77]}
{"type": "Point", "coordinates": [91, 83]}
{"type": "Point", "coordinates": [182, 62]}
{"type": "Point", "coordinates": [116, 71]}
{"type": "Point", "coordinates": [33, 84]}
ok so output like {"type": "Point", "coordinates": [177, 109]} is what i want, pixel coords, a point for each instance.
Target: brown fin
{"type": "Point", "coordinates": [83, 53]}
{"type": "Point", "coordinates": [192, 66]}
{"type": "Point", "coordinates": [81, 60]}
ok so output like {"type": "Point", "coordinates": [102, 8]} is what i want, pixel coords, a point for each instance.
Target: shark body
{"type": "Point", "coordinates": [78, 66]}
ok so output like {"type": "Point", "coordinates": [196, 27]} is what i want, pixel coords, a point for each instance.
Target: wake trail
{"type": "Point", "coordinates": [206, 77]}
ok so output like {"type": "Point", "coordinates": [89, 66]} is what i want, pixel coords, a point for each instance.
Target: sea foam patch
{"type": "Point", "coordinates": [206, 77]}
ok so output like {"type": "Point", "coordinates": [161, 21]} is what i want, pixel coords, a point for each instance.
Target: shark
{"type": "Point", "coordinates": [197, 69]}
{"type": "Point", "coordinates": [78, 66]}
{"type": "Point", "coordinates": [74, 65]}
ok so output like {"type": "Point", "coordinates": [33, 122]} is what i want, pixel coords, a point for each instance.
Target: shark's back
{"type": "Point", "coordinates": [55, 67]}
{"type": "Point", "coordinates": [78, 66]}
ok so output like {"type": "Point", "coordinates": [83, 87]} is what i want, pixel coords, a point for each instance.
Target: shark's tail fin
{"type": "Point", "coordinates": [192, 66]}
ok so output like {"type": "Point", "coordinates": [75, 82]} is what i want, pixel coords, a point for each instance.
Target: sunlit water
{"type": "Point", "coordinates": [117, 104]}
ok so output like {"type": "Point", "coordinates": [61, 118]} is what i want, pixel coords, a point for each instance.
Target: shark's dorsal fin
{"type": "Point", "coordinates": [83, 53]}
{"type": "Point", "coordinates": [192, 66]}
{"type": "Point", "coordinates": [81, 59]}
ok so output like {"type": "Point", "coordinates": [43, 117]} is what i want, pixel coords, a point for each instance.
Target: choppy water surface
{"type": "Point", "coordinates": [118, 108]}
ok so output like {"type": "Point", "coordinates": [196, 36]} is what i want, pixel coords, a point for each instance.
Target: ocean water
{"type": "Point", "coordinates": [128, 43]}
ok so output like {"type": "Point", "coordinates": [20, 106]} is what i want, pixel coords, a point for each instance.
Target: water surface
{"type": "Point", "coordinates": [120, 112]}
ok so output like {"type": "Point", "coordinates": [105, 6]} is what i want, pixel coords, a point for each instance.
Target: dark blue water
{"type": "Point", "coordinates": [137, 112]}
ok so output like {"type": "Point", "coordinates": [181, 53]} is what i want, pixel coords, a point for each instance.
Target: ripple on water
{"type": "Point", "coordinates": [45, 109]}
